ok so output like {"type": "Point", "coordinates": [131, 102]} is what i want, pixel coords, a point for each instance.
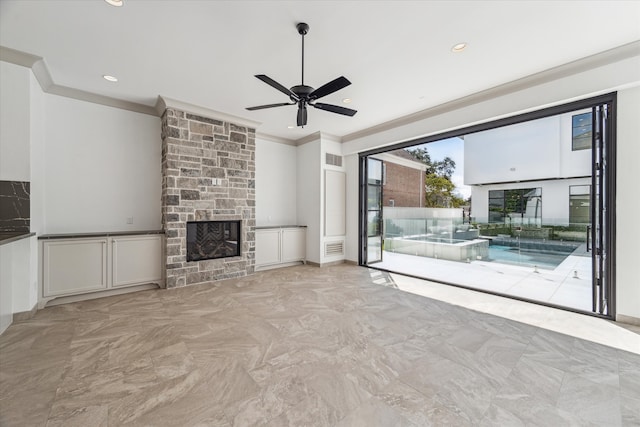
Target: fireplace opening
{"type": "Point", "coordinates": [212, 239]}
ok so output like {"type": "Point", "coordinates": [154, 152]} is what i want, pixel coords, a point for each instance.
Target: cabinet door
{"type": "Point", "coordinates": [294, 244]}
{"type": "Point", "coordinates": [74, 266]}
{"type": "Point", "coordinates": [136, 260]}
{"type": "Point", "coordinates": [267, 247]}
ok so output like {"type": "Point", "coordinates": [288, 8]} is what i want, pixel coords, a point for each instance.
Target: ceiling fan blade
{"type": "Point", "coordinates": [302, 115]}
{"type": "Point", "coordinates": [329, 88]}
{"type": "Point", "coordinates": [274, 84]}
{"type": "Point", "coordinates": [335, 109]}
{"type": "Point", "coordinates": [261, 107]}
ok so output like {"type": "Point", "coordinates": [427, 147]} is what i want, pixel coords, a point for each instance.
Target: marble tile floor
{"type": "Point", "coordinates": [304, 346]}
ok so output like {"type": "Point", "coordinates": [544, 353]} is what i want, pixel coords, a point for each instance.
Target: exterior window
{"type": "Point", "coordinates": [581, 132]}
{"type": "Point", "coordinates": [521, 206]}
{"type": "Point", "coordinates": [580, 204]}
{"type": "Point", "coordinates": [384, 174]}
{"type": "Point", "coordinates": [392, 202]}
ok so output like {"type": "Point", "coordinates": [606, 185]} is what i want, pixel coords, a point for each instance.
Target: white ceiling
{"type": "Point", "coordinates": [397, 54]}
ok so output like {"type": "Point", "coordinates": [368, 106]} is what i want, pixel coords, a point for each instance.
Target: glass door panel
{"type": "Point", "coordinates": [601, 286]}
{"type": "Point", "coordinates": [374, 211]}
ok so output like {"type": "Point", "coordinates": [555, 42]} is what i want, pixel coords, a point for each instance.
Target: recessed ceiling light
{"type": "Point", "coordinates": [116, 3]}
{"type": "Point", "coordinates": [346, 100]}
{"type": "Point", "coordinates": [290, 127]}
{"type": "Point", "coordinates": [110, 78]}
{"type": "Point", "coordinates": [459, 47]}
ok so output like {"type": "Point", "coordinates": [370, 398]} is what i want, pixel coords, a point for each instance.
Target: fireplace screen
{"type": "Point", "coordinates": [212, 239]}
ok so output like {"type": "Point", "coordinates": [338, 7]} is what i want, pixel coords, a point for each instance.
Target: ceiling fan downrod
{"type": "Point", "coordinates": [303, 29]}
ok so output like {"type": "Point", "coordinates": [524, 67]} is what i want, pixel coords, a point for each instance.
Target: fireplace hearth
{"type": "Point", "coordinates": [212, 240]}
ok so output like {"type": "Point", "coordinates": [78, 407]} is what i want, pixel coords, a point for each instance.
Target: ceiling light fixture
{"type": "Point", "coordinates": [459, 47]}
{"type": "Point", "coordinates": [116, 3]}
{"type": "Point", "coordinates": [346, 100]}
{"type": "Point", "coordinates": [110, 78]}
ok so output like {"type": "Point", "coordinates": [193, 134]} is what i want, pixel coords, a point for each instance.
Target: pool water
{"type": "Point", "coordinates": [546, 259]}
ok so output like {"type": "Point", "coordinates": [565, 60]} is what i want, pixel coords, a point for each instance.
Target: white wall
{"type": "Point", "coordinates": [334, 208]}
{"type": "Point", "coordinates": [37, 209]}
{"type": "Point", "coordinates": [14, 122]}
{"type": "Point", "coordinates": [536, 149]}
{"type": "Point", "coordinates": [102, 167]}
{"type": "Point", "coordinates": [622, 75]}
{"type": "Point", "coordinates": [276, 190]}
{"type": "Point", "coordinates": [309, 195]}
{"type": "Point", "coordinates": [628, 203]}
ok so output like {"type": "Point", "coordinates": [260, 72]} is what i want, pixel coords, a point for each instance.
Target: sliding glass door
{"type": "Point", "coordinates": [601, 226]}
{"type": "Point", "coordinates": [522, 207]}
{"type": "Point", "coordinates": [371, 210]}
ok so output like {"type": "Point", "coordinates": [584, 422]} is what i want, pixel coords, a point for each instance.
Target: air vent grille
{"type": "Point", "coordinates": [333, 159]}
{"type": "Point", "coordinates": [334, 248]}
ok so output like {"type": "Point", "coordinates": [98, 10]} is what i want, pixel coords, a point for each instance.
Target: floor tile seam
{"type": "Point", "coordinates": [594, 385]}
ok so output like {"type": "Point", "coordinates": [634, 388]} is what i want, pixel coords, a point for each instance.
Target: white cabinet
{"type": "Point", "coordinates": [294, 244]}
{"type": "Point", "coordinates": [268, 246]}
{"type": "Point", "coordinates": [136, 260]}
{"type": "Point", "coordinates": [280, 246]}
{"type": "Point", "coordinates": [74, 266]}
{"type": "Point", "coordinates": [80, 265]}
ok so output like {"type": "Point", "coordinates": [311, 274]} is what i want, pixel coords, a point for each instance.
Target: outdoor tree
{"type": "Point", "coordinates": [439, 190]}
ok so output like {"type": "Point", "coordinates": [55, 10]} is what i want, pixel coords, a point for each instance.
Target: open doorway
{"type": "Point", "coordinates": [521, 208]}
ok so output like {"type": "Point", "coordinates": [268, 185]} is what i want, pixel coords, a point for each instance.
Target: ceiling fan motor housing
{"type": "Point", "coordinates": [303, 91]}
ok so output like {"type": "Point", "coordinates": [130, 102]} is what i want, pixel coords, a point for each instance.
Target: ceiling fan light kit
{"type": "Point", "coordinates": [303, 95]}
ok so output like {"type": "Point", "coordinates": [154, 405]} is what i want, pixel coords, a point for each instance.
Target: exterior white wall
{"type": "Point", "coordinates": [102, 167]}
{"type": "Point", "coordinates": [276, 178]}
{"type": "Point", "coordinates": [628, 204]}
{"type": "Point", "coordinates": [555, 199]}
{"type": "Point", "coordinates": [14, 122]}
{"type": "Point", "coordinates": [622, 76]}
{"type": "Point", "coordinates": [537, 149]}
{"type": "Point", "coordinates": [309, 196]}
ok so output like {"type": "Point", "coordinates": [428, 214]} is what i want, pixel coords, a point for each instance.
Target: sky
{"type": "Point", "coordinates": [454, 148]}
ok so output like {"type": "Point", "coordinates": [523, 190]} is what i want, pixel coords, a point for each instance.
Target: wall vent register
{"type": "Point", "coordinates": [333, 159]}
{"type": "Point", "coordinates": [212, 240]}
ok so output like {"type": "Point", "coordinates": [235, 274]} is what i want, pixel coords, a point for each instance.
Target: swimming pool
{"type": "Point", "coordinates": [542, 255]}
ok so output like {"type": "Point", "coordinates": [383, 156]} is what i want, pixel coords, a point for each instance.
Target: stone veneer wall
{"type": "Point", "coordinates": [208, 174]}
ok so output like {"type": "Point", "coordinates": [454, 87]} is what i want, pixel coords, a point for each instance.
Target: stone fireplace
{"type": "Point", "coordinates": [208, 175]}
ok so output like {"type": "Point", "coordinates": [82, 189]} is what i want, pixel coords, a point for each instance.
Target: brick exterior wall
{"type": "Point", "coordinates": [404, 185]}
{"type": "Point", "coordinates": [208, 174]}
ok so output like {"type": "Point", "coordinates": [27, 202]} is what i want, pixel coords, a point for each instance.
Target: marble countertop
{"type": "Point", "coordinates": [98, 234]}
{"type": "Point", "coordinates": [12, 236]}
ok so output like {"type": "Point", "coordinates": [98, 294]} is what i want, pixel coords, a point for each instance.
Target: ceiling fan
{"type": "Point", "coordinates": [304, 95]}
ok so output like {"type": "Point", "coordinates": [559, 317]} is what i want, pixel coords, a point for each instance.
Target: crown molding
{"type": "Point", "coordinates": [273, 138]}
{"type": "Point", "coordinates": [164, 102]}
{"type": "Point", "coordinates": [319, 135]}
{"type": "Point", "coordinates": [309, 138]}
{"type": "Point", "coordinates": [43, 76]}
{"type": "Point", "coordinates": [616, 54]}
